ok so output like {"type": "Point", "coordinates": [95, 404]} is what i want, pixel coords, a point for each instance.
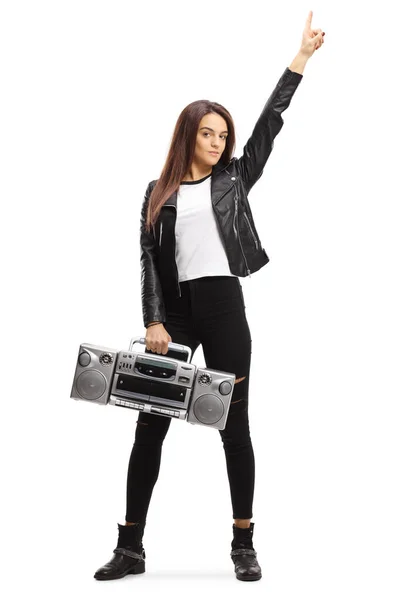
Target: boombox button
{"type": "Point", "coordinates": [184, 379]}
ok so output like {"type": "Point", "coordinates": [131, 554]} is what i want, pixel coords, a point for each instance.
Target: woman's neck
{"type": "Point", "coordinates": [196, 173]}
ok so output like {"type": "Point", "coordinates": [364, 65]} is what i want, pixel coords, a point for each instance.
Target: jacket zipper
{"type": "Point", "coordinates": [251, 231]}
{"type": "Point", "coordinates": [236, 217]}
{"type": "Point", "coordinates": [216, 216]}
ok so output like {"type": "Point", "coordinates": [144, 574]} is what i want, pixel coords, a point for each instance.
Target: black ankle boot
{"type": "Point", "coordinates": [128, 556]}
{"type": "Point", "coordinates": [243, 554]}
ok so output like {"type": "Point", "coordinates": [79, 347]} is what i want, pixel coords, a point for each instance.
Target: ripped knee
{"type": "Point", "coordinates": [238, 381]}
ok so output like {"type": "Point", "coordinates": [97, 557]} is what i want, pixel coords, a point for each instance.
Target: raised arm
{"type": "Point", "coordinates": [261, 142]}
{"type": "Point", "coordinates": [270, 122]}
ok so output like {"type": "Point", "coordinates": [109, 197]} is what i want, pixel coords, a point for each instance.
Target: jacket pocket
{"type": "Point", "coordinates": [250, 229]}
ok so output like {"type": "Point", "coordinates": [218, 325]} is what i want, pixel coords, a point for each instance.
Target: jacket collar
{"type": "Point", "coordinates": [218, 184]}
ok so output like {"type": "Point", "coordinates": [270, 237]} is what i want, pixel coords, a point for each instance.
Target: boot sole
{"type": "Point", "coordinates": [248, 577]}
{"type": "Point", "coordinates": [135, 570]}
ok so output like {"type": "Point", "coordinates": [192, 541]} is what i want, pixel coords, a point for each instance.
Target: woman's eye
{"type": "Point", "coordinates": [222, 136]}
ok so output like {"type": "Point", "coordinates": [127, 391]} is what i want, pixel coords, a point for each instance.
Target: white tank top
{"type": "Point", "coordinates": [199, 248]}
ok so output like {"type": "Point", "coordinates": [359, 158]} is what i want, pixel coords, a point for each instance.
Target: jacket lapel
{"type": "Point", "coordinates": [219, 185]}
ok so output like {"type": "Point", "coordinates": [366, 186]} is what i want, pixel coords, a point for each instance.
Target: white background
{"type": "Point", "coordinates": [90, 95]}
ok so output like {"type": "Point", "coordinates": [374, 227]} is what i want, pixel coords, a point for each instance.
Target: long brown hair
{"type": "Point", "coordinates": [181, 153]}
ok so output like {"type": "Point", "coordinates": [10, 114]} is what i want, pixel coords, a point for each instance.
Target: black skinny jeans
{"type": "Point", "coordinates": [210, 312]}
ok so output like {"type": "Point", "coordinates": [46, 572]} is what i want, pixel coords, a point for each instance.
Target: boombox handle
{"type": "Point", "coordinates": [171, 346]}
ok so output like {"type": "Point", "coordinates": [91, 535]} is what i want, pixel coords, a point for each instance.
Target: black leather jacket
{"type": "Point", "coordinates": [230, 185]}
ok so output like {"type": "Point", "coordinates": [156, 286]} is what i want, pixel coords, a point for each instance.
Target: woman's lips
{"type": "Point", "coordinates": [214, 153]}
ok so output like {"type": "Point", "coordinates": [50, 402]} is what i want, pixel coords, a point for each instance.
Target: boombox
{"type": "Point", "coordinates": [167, 385]}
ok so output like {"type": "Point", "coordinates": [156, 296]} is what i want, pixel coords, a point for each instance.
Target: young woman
{"type": "Point", "coordinates": [197, 237]}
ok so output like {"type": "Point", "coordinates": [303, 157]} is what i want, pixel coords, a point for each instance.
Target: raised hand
{"type": "Point", "coordinates": [312, 38]}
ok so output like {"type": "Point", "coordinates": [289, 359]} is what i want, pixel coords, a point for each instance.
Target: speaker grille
{"type": "Point", "coordinates": [91, 384]}
{"type": "Point", "coordinates": [208, 409]}
{"type": "Point", "coordinates": [106, 358]}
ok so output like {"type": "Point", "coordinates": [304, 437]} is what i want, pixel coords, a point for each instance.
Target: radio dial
{"type": "Point", "coordinates": [225, 388]}
{"type": "Point", "coordinates": [84, 359]}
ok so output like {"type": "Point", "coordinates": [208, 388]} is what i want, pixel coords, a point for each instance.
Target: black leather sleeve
{"type": "Point", "coordinates": [152, 298]}
{"type": "Point", "coordinates": [270, 122]}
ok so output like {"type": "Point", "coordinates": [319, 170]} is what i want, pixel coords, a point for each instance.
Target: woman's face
{"type": "Point", "coordinates": [211, 137]}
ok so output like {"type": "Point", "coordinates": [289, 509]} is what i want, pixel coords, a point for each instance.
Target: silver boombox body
{"type": "Point", "coordinates": [154, 383]}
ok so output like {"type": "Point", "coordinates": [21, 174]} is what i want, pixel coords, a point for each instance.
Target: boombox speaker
{"type": "Point", "coordinates": [93, 375]}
